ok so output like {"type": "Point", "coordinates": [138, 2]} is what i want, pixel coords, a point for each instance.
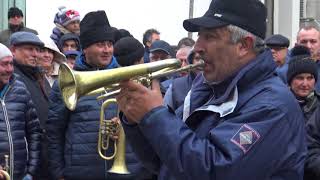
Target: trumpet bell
{"type": "Point", "coordinates": [69, 85]}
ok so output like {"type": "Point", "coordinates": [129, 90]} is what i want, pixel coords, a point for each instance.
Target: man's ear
{"type": "Point", "coordinates": [148, 44]}
{"type": "Point", "coordinates": [245, 46]}
{"type": "Point", "coordinates": [13, 49]}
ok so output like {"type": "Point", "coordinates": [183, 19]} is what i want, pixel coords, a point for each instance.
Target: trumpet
{"type": "Point", "coordinates": [114, 89]}
{"type": "Point", "coordinates": [74, 84]}
{"type": "Point", "coordinates": [5, 170]}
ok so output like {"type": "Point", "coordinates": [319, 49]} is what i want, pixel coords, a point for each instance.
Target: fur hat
{"type": "Point", "coordinates": [94, 28]}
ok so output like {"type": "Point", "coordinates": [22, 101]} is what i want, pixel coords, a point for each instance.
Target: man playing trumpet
{"type": "Point", "coordinates": [73, 135]}
{"type": "Point", "coordinates": [239, 121]}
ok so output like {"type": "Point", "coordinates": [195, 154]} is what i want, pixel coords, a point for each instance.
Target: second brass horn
{"type": "Point", "coordinates": [74, 84]}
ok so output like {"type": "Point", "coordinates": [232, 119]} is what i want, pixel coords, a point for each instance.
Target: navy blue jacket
{"type": "Point", "coordinates": [247, 127]}
{"type": "Point", "coordinates": [178, 90]}
{"type": "Point", "coordinates": [73, 138]}
{"type": "Point", "coordinates": [20, 133]}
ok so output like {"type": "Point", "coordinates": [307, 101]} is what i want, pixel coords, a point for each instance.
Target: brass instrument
{"type": "Point", "coordinates": [5, 170]}
{"type": "Point", "coordinates": [74, 84]}
{"type": "Point", "coordinates": [146, 80]}
{"type": "Point", "coordinates": [108, 128]}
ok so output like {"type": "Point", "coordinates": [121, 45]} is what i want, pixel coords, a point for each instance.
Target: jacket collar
{"type": "Point", "coordinates": [256, 70]}
{"type": "Point", "coordinates": [82, 65]}
{"type": "Point", "coordinates": [216, 97]}
{"type": "Point", "coordinates": [30, 71]}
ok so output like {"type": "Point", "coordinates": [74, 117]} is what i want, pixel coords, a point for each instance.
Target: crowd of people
{"type": "Point", "coordinates": [252, 112]}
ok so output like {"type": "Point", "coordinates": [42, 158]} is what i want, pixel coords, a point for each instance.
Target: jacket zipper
{"type": "Point", "coordinates": [11, 157]}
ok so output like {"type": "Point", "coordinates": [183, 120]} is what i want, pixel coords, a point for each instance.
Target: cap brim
{"type": "Point", "coordinates": [40, 44]}
{"type": "Point", "coordinates": [159, 49]}
{"type": "Point", "coordinates": [195, 24]}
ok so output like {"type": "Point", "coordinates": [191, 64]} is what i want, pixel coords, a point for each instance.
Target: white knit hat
{"type": "Point", "coordinates": [4, 51]}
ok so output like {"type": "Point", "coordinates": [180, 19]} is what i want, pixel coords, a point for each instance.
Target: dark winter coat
{"type": "Point", "coordinates": [39, 88]}
{"type": "Point", "coordinates": [248, 127]}
{"type": "Point", "coordinates": [73, 138]}
{"type": "Point", "coordinates": [178, 90]}
{"type": "Point", "coordinates": [20, 132]}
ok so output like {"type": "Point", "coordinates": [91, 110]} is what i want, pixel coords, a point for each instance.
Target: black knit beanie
{"type": "Point", "coordinates": [301, 62]}
{"type": "Point", "coordinates": [127, 51]}
{"type": "Point", "coordinates": [14, 11]}
{"type": "Point", "coordinates": [94, 28]}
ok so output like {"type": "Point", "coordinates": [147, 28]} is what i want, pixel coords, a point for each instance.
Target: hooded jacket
{"type": "Point", "coordinates": [247, 127]}
{"type": "Point", "coordinates": [69, 36]}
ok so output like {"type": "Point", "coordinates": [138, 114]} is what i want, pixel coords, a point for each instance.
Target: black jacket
{"type": "Point", "coordinates": [312, 165]}
{"type": "Point", "coordinates": [31, 77]}
{"type": "Point", "coordinates": [19, 130]}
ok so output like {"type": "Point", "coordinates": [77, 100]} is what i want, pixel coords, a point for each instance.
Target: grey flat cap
{"type": "Point", "coordinates": [21, 37]}
{"type": "Point", "coordinates": [277, 40]}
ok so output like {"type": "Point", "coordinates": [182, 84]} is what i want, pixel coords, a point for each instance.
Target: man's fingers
{"type": "Point", "coordinates": [155, 86]}
{"type": "Point", "coordinates": [129, 86]}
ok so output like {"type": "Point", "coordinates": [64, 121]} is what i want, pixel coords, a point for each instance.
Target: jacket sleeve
{"type": "Point", "coordinates": [56, 127]}
{"type": "Point", "coordinates": [167, 99]}
{"type": "Point", "coordinates": [141, 146]}
{"type": "Point", "coordinates": [33, 136]}
{"type": "Point", "coordinates": [312, 166]}
{"type": "Point", "coordinates": [240, 148]}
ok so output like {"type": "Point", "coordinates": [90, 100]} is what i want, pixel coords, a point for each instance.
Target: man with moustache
{"type": "Point", "coordinates": [239, 121]}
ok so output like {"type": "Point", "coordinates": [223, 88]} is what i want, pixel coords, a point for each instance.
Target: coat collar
{"type": "Point", "coordinates": [222, 98]}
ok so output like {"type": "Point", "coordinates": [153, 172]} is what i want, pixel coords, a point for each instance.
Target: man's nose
{"type": "Point", "coordinates": [198, 46]}
{"type": "Point", "coordinates": [309, 45]}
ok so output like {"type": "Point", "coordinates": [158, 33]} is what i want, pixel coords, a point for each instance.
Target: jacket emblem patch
{"type": "Point", "coordinates": [245, 138]}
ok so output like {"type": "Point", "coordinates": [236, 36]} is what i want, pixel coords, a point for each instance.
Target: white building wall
{"type": "Point", "coordinates": [286, 18]}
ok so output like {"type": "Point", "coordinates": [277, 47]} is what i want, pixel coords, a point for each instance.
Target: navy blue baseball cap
{"type": "Point", "coordinates": [160, 45]}
{"type": "Point", "coordinates": [72, 53]}
{"type": "Point", "coordinates": [250, 15]}
{"type": "Point", "coordinates": [277, 40]}
{"type": "Point", "coordinates": [19, 38]}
